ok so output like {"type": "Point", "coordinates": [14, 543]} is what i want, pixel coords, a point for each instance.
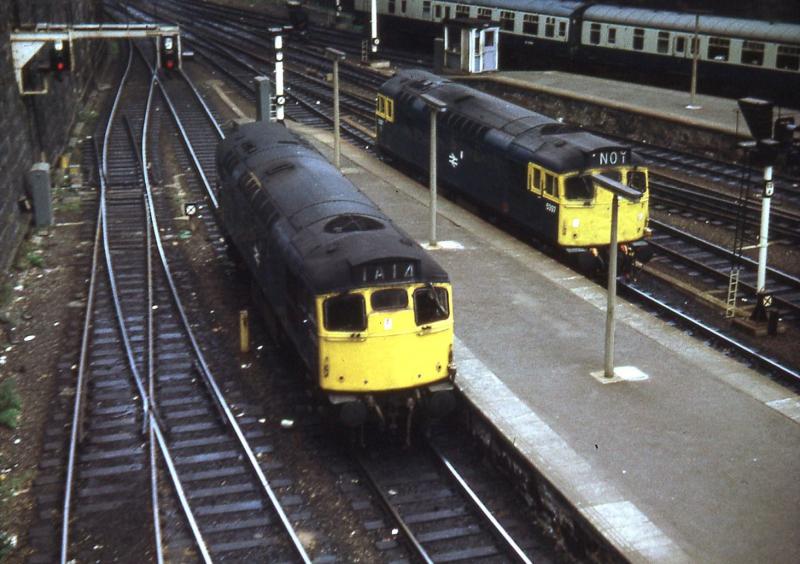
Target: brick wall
{"type": "Point", "coordinates": [33, 126]}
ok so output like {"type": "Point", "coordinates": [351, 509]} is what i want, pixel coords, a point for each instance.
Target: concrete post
{"type": "Point", "coordinates": [38, 178]}
{"type": "Point", "coordinates": [612, 289]}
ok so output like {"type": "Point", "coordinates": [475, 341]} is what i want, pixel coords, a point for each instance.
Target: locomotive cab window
{"type": "Point", "coordinates": [550, 185]}
{"type": "Point", "coordinates": [637, 179]}
{"type": "Point", "coordinates": [345, 313]}
{"type": "Point", "coordinates": [430, 304]}
{"type": "Point", "coordinates": [534, 179]}
{"type": "Point", "coordinates": [578, 188]}
{"type": "Point", "coordinates": [384, 108]}
{"type": "Point", "coordinates": [392, 298]}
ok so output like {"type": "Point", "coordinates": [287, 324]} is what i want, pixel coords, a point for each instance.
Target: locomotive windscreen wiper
{"type": "Point", "coordinates": [436, 299]}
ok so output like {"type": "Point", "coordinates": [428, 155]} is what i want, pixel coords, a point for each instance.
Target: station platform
{"type": "Point", "coordinates": [689, 456]}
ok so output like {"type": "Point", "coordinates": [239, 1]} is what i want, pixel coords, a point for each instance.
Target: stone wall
{"type": "Point", "coordinates": [33, 128]}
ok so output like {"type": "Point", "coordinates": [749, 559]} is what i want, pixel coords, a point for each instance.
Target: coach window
{"type": "Point", "coordinates": [393, 298]}
{"type": "Point", "coordinates": [578, 188]}
{"type": "Point", "coordinates": [550, 185]}
{"type": "Point", "coordinates": [680, 45]}
{"type": "Point", "coordinates": [345, 313]}
{"type": "Point", "coordinates": [437, 11]}
{"type": "Point", "coordinates": [426, 7]}
{"type": "Point", "coordinates": [484, 13]}
{"type": "Point", "coordinates": [549, 27]}
{"type": "Point", "coordinates": [788, 58]}
{"type": "Point", "coordinates": [403, 5]}
{"type": "Point", "coordinates": [530, 24]}
{"type": "Point", "coordinates": [753, 53]}
{"type": "Point", "coordinates": [663, 42]}
{"type": "Point", "coordinates": [718, 48]}
{"type": "Point", "coordinates": [638, 38]}
{"type": "Point", "coordinates": [462, 11]}
{"type": "Point", "coordinates": [391, 6]}
{"type": "Point", "coordinates": [612, 36]}
{"type": "Point", "coordinates": [594, 34]}
{"type": "Point", "coordinates": [430, 304]}
{"type": "Point", "coordinates": [507, 20]}
{"type": "Point", "coordinates": [562, 29]}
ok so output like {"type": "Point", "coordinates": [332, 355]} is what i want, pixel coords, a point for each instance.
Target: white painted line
{"type": "Point", "coordinates": [216, 85]}
{"type": "Point", "coordinates": [790, 407]}
{"type": "Point", "coordinates": [617, 518]}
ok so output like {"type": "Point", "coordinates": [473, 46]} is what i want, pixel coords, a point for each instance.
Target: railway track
{"type": "Point", "coordinates": [434, 509]}
{"type": "Point", "coordinates": [148, 378]}
{"type": "Point", "coordinates": [690, 253]}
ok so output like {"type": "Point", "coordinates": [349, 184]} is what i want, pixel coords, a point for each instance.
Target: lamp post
{"type": "Point", "coordinates": [695, 46]}
{"type": "Point", "coordinates": [335, 55]}
{"type": "Point", "coordinates": [618, 190]}
{"type": "Point", "coordinates": [435, 106]}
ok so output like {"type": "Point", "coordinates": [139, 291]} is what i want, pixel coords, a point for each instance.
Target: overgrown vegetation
{"type": "Point", "coordinates": [10, 404]}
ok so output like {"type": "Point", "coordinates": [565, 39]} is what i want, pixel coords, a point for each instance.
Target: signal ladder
{"type": "Point", "coordinates": [740, 235]}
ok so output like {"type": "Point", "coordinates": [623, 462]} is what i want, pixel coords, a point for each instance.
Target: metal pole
{"type": "Point", "coordinates": [337, 149]}
{"type": "Point", "coordinates": [695, 55]}
{"type": "Point", "coordinates": [612, 290]}
{"type": "Point", "coordinates": [433, 177]}
{"type": "Point", "coordinates": [279, 97]}
{"type": "Point", "coordinates": [373, 26]}
{"type": "Point", "coordinates": [763, 238]}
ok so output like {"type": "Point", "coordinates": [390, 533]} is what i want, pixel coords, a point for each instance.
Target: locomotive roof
{"type": "Point", "coordinates": [548, 7]}
{"type": "Point", "coordinates": [329, 225]}
{"type": "Point", "coordinates": [779, 32]}
{"type": "Point", "coordinates": [518, 132]}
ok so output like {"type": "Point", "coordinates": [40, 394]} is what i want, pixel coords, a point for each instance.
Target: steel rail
{"type": "Point", "coordinates": [151, 386]}
{"type": "Point", "coordinates": [779, 275]}
{"type": "Point", "coordinates": [419, 550]}
{"type": "Point", "coordinates": [77, 414]}
{"type": "Point", "coordinates": [768, 363]}
{"type": "Point", "coordinates": [497, 529]}
{"type": "Point", "coordinates": [231, 419]}
{"type": "Point", "coordinates": [202, 103]}
{"type": "Point", "coordinates": [154, 425]}
{"type": "Point", "coordinates": [184, 136]}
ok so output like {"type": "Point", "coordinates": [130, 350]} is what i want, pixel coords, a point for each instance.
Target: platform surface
{"type": "Point", "coordinates": [719, 114]}
{"type": "Point", "coordinates": [688, 456]}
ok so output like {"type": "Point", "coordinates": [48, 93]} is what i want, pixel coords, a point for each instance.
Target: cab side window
{"type": "Point", "coordinates": [534, 179]}
{"type": "Point", "coordinates": [550, 185]}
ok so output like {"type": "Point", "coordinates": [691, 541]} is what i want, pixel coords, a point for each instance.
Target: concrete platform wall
{"type": "Point", "coordinates": [602, 119]}
{"type": "Point", "coordinates": [36, 127]}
